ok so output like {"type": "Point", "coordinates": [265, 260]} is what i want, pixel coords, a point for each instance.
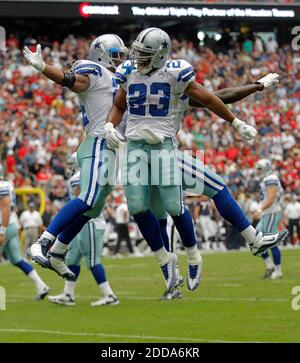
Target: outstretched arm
{"type": "Point", "coordinates": [231, 95]}
{"type": "Point", "coordinates": [214, 104]}
{"type": "Point", "coordinates": [76, 82]}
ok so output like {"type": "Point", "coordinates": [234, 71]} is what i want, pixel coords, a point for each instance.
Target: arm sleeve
{"type": "Point", "coordinates": [88, 68]}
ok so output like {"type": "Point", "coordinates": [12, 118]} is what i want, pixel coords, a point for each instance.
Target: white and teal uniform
{"type": "Point", "coordinates": [196, 178]}
{"type": "Point", "coordinates": [12, 242]}
{"type": "Point", "coordinates": [270, 217]}
{"type": "Point", "coordinates": [89, 241]}
{"type": "Point", "coordinates": [154, 101]}
{"type": "Point", "coordinates": [94, 159]}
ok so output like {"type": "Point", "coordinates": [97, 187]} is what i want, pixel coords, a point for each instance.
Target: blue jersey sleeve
{"type": "Point", "coordinates": [123, 72]}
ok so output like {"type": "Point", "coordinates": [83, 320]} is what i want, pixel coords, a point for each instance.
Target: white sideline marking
{"type": "Point", "coordinates": [104, 335]}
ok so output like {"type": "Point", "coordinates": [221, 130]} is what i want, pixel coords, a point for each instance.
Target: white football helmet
{"type": "Point", "coordinates": [108, 50]}
{"type": "Point", "coordinates": [150, 50]}
{"type": "Point", "coordinates": [264, 166]}
{"type": "Point", "coordinates": [72, 165]}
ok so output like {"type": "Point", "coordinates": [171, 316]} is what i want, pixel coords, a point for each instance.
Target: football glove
{"type": "Point", "coordinates": [113, 137]}
{"type": "Point", "coordinates": [247, 132]}
{"type": "Point", "coordinates": [269, 80]}
{"type": "Point", "coordinates": [35, 58]}
{"type": "Point", "coordinates": [148, 135]}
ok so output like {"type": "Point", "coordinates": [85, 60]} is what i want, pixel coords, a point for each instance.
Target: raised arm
{"type": "Point", "coordinates": [76, 82]}
{"type": "Point", "coordinates": [235, 94]}
{"type": "Point", "coordinates": [5, 213]}
{"type": "Point", "coordinates": [214, 104]}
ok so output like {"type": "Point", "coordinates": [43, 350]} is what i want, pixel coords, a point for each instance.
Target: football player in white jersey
{"type": "Point", "coordinates": [88, 244]}
{"type": "Point", "coordinates": [9, 235]}
{"type": "Point", "coordinates": [152, 92]}
{"type": "Point", "coordinates": [93, 81]}
{"type": "Point", "coordinates": [270, 213]}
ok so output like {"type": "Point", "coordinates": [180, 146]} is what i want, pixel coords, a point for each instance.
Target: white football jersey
{"type": "Point", "coordinates": [155, 100]}
{"type": "Point", "coordinates": [7, 189]}
{"type": "Point", "coordinates": [97, 100]}
{"type": "Point", "coordinates": [269, 181]}
{"type": "Point", "coordinates": [73, 183]}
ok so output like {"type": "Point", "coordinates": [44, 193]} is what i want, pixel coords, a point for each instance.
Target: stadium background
{"type": "Point", "coordinates": [40, 122]}
{"type": "Point", "coordinates": [40, 126]}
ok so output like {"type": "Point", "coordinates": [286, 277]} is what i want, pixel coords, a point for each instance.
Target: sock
{"type": "Point", "coordinates": [162, 255]}
{"type": "Point", "coordinates": [149, 227]}
{"type": "Point", "coordinates": [70, 288]}
{"type": "Point", "coordinates": [48, 235]}
{"type": "Point", "coordinates": [163, 229]}
{"type": "Point", "coordinates": [24, 266]}
{"type": "Point", "coordinates": [185, 228]}
{"type": "Point", "coordinates": [276, 255]}
{"type": "Point", "coordinates": [68, 234]}
{"type": "Point", "coordinates": [230, 210]}
{"type": "Point", "coordinates": [75, 269]}
{"type": "Point", "coordinates": [193, 255]}
{"type": "Point", "coordinates": [33, 275]}
{"type": "Point", "coordinates": [278, 269]}
{"type": "Point", "coordinates": [105, 289]}
{"type": "Point", "coordinates": [249, 234]}
{"type": "Point", "coordinates": [99, 273]}
{"type": "Point", "coordinates": [268, 261]}
{"type": "Point", "coordinates": [59, 248]}
{"type": "Point", "coordinates": [70, 211]}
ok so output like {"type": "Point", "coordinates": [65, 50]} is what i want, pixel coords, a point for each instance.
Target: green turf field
{"type": "Point", "coordinates": [233, 304]}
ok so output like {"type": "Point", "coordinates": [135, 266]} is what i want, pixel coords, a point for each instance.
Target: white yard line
{"type": "Point", "coordinates": [104, 335]}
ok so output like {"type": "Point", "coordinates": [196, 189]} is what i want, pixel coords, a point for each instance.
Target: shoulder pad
{"type": "Point", "coordinates": [87, 67]}
{"type": "Point", "coordinates": [182, 69]}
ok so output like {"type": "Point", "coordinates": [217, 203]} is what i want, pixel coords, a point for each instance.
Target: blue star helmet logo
{"type": "Point", "coordinates": [165, 44]}
{"type": "Point", "coordinates": [97, 45]}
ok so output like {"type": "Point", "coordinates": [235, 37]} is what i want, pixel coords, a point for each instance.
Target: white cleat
{"type": "Point", "coordinates": [276, 275]}
{"type": "Point", "coordinates": [106, 300]}
{"type": "Point", "coordinates": [42, 292]}
{"type": "Point", "coordinates": [169, 271]}
{"type": "Point", "coordinates": [194, 275]}
{"type": "Point", "coordinates": [62, 299]}
{"type": "Point", "coordinates": [57, 264]}
{"type": "Point", "coordinates": [264, 242]}
{"type": "Point", "coordinates": [39, 250]}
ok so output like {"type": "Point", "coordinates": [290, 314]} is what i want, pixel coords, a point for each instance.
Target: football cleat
{"type": "Point", "coordinates": [179, 279]}
{"type": "Point", "coordinates": [39, 251]}
{"type": "Point", "coordinates": [268, 273]}
{"type": "Point", "coordinates": [42, 292]}
{"type": "Point", "coordinates": [171, 295]}
{"type": "Point", "coordinates": [276, 275]}
{"type": "Point", "coordinates": [264, 242]}
{"type": "Point", "coordinates": [169, 271]}
{"type": "Point", "coordinates": [57, 264]}
{"type": "Point", "coordinates": [106, 300]}
{"type": "Point", "coordinates": [194, 275]}
{"type": "Point", "coordinates": [62, 299]}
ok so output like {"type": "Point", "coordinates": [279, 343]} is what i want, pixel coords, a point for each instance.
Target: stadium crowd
{"type": "Point", "coordinates": [40, 122]}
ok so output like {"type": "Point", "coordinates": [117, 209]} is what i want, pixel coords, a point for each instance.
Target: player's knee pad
{"type": "Point", "coordinates": [136, 206]}
{"type": "Point", "coordinates": [173, 208]}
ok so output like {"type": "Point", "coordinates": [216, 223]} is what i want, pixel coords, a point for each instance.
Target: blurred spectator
{"type": "Point", "coordinates": [292, 212]}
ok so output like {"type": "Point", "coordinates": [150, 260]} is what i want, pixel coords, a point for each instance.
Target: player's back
{"type": "Point", "coordinates": [154, 100]}
{"type": "Point", "coordinates": [269, 181]}
{"type": "Point", "coordinates": [96, 101]}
